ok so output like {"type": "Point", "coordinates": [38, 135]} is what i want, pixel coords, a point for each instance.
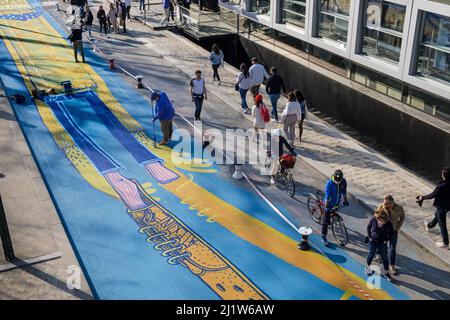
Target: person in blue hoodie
{"type": "Point", "coordinates": [164, 112]}
{"type": "Point", "coordinates": [335, 190]}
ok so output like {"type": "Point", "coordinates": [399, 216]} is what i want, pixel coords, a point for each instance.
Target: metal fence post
{"type": "Point", "coordinates": [4, 234]}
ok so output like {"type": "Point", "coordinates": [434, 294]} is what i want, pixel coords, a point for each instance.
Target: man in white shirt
{"type": "Point", "coordinates": [257, 75]}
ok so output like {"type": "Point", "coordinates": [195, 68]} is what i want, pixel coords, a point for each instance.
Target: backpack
{"type": "Point", "coordinates": [265, 113]}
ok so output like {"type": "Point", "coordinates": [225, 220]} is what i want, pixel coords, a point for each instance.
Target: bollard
{"type": "Point", "coordinates": [237, 172]}
{"type": "Point", "coordinates": [139, 82]}
{"type": "Point", "coordinates": [4, 234]}
{"type": "Point", "coordinates": [112, 66]}
{"type": "Point", "coordinates": [304, 244]}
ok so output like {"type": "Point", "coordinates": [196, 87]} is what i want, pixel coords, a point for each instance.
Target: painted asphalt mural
{"type": "Point", "coordinates": [142, 227]}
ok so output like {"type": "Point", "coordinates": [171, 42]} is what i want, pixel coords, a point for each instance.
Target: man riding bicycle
{"type": "Point", "coordinates": [276, 152]}
{"type": "Point", "coordinates": [335, 189]}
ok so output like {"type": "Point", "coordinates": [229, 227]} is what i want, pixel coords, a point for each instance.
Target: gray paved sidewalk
{"type": "Point", "coordinates": [370, 175]}
{"type": "Point", "coordinates": [33, 223]}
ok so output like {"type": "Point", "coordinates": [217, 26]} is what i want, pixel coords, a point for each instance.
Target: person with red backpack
{"type": "Point", "coordinates": [260, 116]}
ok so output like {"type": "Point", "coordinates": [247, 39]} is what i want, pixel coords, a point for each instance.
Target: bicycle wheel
{"type": "Point", "coordinates": [314, 208]}
{"type": "Point", "coordinates": [289, 184]}
{"type": "Point", "coordinates": [339, 230]}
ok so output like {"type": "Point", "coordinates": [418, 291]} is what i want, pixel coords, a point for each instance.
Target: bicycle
{"type": "Point", "coordinates": [316, 208]}
{"type": "Point", "coordinates": [283, 173]}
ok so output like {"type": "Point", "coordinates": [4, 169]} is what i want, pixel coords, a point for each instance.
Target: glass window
{"type": "Point", "coordinates": [260, 6]}
{"type": "Point", "coordinates": [383, 29]}
{"type": "Point", "coordinates": [293, 12]}
{"type": "Point", "coordinates": [333, 20]}
{"type": "Point", "coordinates": [434, 47]}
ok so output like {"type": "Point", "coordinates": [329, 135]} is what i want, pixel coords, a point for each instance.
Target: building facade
{"type": "Point", "coordinates": [400, 48]}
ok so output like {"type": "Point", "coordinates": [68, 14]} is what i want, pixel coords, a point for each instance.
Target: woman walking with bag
{"type": "Point", "coordinates": [216, 58]}
{"type": "Point", "coordinates": [243, 82]}
{"type": "Point", "coordinates": [290, 116]}
{"type": "Point", "coordinates": [301, 99]}
{"type": "Point", "coordinates": [258, 119]}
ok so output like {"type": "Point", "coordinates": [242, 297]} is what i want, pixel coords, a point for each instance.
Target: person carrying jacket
{"type": "Point", "coordinates": [441, 196]}
{"type": "Point", "coordinates": [379, 232]}
{"type": "Point", "coordinates": [335, 190]}
{"type": "Point", "coordinates": [164, 112]}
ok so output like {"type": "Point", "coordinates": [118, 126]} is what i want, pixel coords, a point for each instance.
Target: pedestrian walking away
{"type": "Point", "coordinates": [335, 190]}
{"type": "Point", "coordinates": [304, 112]}
{"type": "Point", "coordinates": [243, 83]}
{"type": "Point", "coordinates": [379, 232]}
{"type": "Point", "coordinates": [164, 112]}
{"type": "Point", "coordinates": [76, 37]}
{"type": "Point", "coordinates": [216, 58]}
{"type": "Point", "coordinates": [290, 116]}
{"type": "Point", "coordinates": [257, 73]}
{"type": "Point", "coordinates": [274, 88]}
{"type": "Point", "coordinates": [89, 18]}
{"type": "Point", "coordinates": [166, 4]}
{"type": "Point", "coordinates": [396, 216]}
{"type": "Point", "coordinates": [258, 119]}
{"type": "Point", "coordinates": [128, 8]}
{"type": "Point", "coordinates": [101, 16]}
{"type": "Point", "coordinates": [141, 5]}
{"type": "Point", "coordinates": [172, 11]}
{"type": "Point", "coordinates": [198, 93]}
{"type": "Point", "coordinates": [441, 196]}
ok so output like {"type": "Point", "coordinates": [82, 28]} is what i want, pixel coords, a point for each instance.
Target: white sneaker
{"type": "Point", "coordinates": [441, 245]}
{"type": "Point", "coordinates": [245, 111]}
{"type": "Point", "coordinates": [426, 226]}
{"type": "Point", "coordinates": [272, 180]}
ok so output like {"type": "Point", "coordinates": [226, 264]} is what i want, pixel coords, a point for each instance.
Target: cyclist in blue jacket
{"type": "Point", "coordinates": [335, 190]}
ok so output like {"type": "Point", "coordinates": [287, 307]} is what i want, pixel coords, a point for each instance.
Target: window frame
{"type": "Point", "coordinates": [409, 70]}
{"type": "Point", "coordinates": [374, 62]}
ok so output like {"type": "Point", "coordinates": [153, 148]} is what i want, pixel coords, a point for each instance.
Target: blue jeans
{"type": "Point", "coordinates": [273, 100]}
{"type": "Point", "coordinates": [141, 5]}
{"type": "Point", "coordinates": [198, 100]}
{"type": "Point", "coordinates": [381, 248]}
{"type": "Point", "coordinates": [243, 93]}
{"type": "Point", "coordinates": [393, 247]}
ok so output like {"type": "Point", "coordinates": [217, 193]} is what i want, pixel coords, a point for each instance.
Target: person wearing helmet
{"type": "Point", "coordinates": [164, 112]}
{"type": "Point", "coordinates": [335, 190]}
{"type": "Point", "coordinates": [276, 150]}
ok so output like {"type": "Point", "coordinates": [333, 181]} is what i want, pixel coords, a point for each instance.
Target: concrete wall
{"type": "Point", "coordinates": [415, 143]}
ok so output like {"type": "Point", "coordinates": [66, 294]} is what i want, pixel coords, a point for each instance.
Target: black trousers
{"type": "Point", "coordinates": [440, 217]}
{"type": "Point", "coordinates": [216, 71]}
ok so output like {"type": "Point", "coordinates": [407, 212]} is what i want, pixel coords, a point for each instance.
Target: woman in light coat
{"type": "Point", "coordinates": [112, 17]}
{"type": "Point", "coordinates": [258, 121]}
{"type": "Point", "coordinates": [290, 116]}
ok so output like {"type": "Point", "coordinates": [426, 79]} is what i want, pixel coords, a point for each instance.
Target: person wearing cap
{"type": "Point", "coordinates": [335, 190]}
{"type": "Point", "coordinates": [258, 121]}
{"type": "Point", "coordinates": [164, 112]}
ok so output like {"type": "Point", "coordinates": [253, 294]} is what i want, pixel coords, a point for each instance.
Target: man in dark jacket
{"type": "Point", "coordinates": [379, 232]}
{"type": "Point", "coordinates": [441, 196]}
{"type": "Point", "coordinates": [164, 112]}
{"type": "Point", "coordinates": [77, 41]}
{"type": "Point", "coordinates": [274, 87]}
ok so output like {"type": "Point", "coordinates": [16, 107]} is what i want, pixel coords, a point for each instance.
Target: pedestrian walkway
{"type": "Point", "coordinates": [370, 175]}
